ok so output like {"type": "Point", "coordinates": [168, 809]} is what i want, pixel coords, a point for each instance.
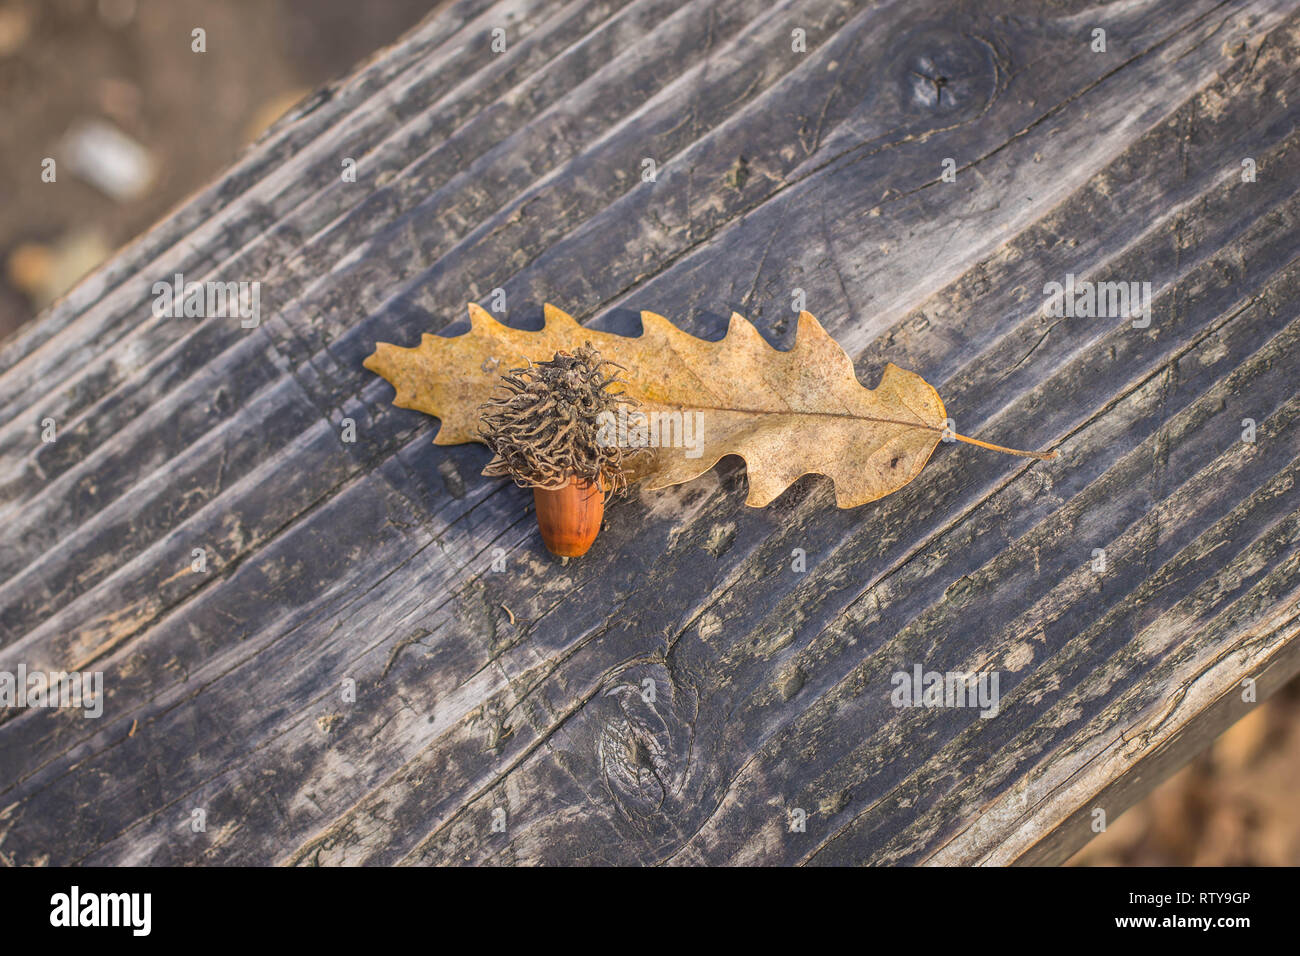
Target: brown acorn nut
{"type": "Point", "coordinates": [569, 517]}
{"type": "Point", "coordinates": [544, 432]}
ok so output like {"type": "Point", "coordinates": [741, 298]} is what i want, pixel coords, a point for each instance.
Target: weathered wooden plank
{"type": "Point", "coordinates": [519, 691]}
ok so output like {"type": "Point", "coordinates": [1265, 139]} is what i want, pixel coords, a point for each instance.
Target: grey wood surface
{"type": "Point", "coordinates": [485, 696]}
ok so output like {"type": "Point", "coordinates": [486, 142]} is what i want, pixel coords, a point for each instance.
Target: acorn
{"type": "Point", "coordinates": [544, 430]}
{"type": "Point", "coordinates": [569, 517]}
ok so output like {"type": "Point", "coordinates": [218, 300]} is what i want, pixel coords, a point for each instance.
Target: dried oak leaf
{"type": "Point", "coordinates": [787, 414]}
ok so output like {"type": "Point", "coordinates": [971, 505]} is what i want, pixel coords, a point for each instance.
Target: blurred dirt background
{"type": "Point", "coordinates": [129, 64]}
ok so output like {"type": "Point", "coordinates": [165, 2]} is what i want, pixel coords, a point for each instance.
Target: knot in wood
{"type": "Point", "coordinates": [940, 71]}
{"type": "Point", "coordinates": [642, 742]}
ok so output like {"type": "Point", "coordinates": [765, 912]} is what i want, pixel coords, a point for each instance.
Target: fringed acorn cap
{"type": "Point", "coordinates": [544, 429]}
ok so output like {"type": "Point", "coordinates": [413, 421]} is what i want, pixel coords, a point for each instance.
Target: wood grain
{"type": "Point", "coordinates": [519, 695]}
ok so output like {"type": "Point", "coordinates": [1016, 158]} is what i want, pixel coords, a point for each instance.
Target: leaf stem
{"type": "Point", "coordinates": [1040, 455]}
